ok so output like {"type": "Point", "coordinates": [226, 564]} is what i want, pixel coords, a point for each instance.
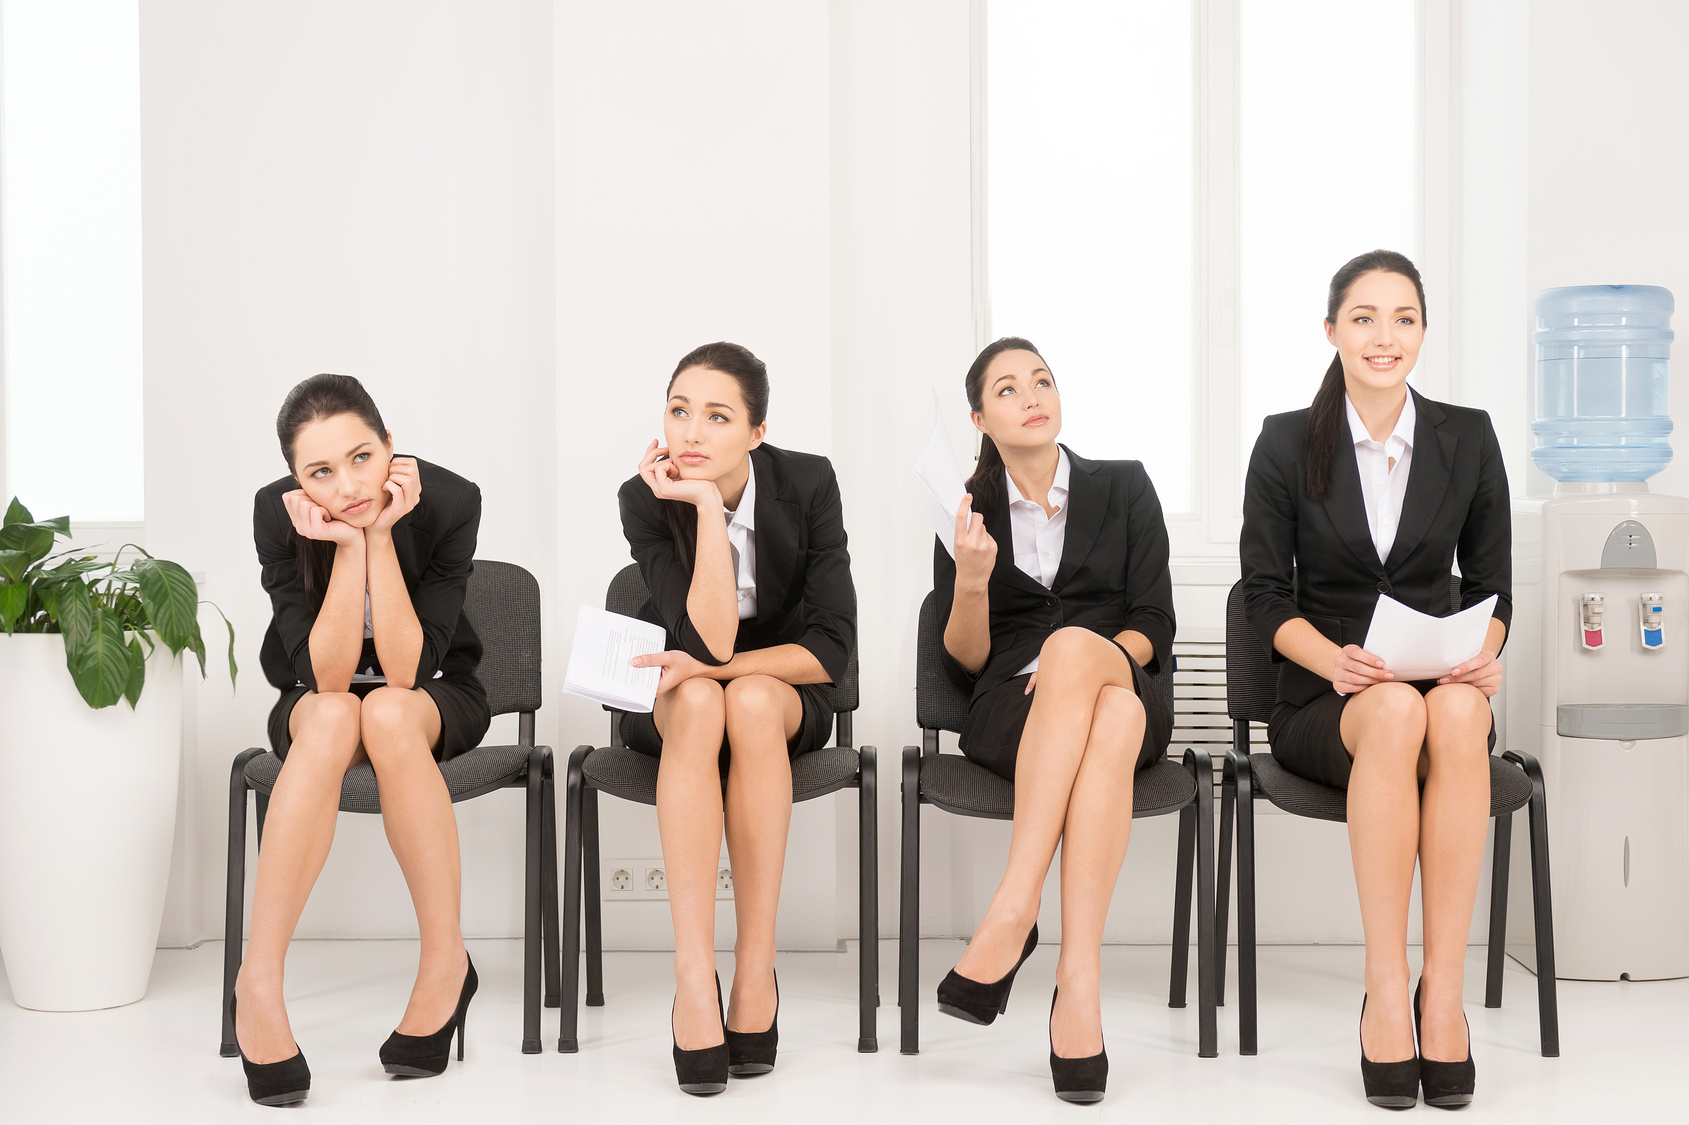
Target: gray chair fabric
{"type": "Point", "coordinates": [632, 776]}
{"type": "Point", "coordinates": [959, 786]}
{"type": "Point", "coordinates": [1510, 790]}
{"type": "Point", "coordinates": [479, 771]}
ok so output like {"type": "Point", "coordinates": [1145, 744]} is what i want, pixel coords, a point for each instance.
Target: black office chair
{"type": "Point", "coordinates": [632, 776]}
{"type": "Point", "coordinates": [956, 785]}
{"type": "Point", "coordinates": [1515, 783]}
{"type": "Point", "coordinates": [503, 605]}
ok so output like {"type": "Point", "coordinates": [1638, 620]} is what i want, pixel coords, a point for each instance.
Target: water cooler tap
{"type": "Point", "coordinates": [1653, 622]}
{"type": "Point", "coordinates": [1593, 605]}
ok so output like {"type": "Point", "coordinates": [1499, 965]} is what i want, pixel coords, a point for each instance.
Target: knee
{"type": "Point", "coordinates": [1393, 721]}
{"type": "Point", "coordinates": [697, 699]}
{"type": "Point", "coordinates": [1457, 719]}
{"type": "Point", "coordinates": [390, 717]}
{"type": "Point", "coordinates": [1069, 649]}
{"type": "Point", "coordinates": [1120, 709]}
{"type": "Point", "coordinates": [754, 698]}
{"type": "Point", "coordinates": [333, 717]}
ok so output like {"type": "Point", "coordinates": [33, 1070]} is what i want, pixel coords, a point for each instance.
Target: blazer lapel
{"type": "Point", "coordinates": [1005, 570]}
{"type": "Point", "coordinates": [1346, 507]}
{"type": "Point", "coordinates": [778, 522]}
{"type": "Point", "coordinates": [1428, 478]}
{"type": "Point", "coordinates": [1087, 504]}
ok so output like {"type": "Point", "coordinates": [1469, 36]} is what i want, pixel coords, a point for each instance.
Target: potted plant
{"type": "Point", "coordinates": [87, 787]}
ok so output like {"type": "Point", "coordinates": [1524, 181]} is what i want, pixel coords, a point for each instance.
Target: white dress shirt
{"type": "Point", "coordinates": [1039, 536]}
{"type": "Point", "coordinates": [742, 540]}
{"type": "Point", "coordinates": [1384, 467]}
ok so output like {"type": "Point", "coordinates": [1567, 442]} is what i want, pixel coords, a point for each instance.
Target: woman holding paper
{"type": "Point", "coordinates": [366, 558]}
{"type": "Point", "coordinates": [1376, 490]}
{"type": "Point", "coordinates": [1058, 611]}
{"type": "Point", "coordinates": [742, 546]}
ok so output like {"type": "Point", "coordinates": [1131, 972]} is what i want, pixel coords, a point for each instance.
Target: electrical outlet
{"type": "Point", "coordinates": [724, 882]}
{"type": "Point", "coordinates": [656, 880]}
{"type": "Point", "coordinates": [632, 880]}
{"type": "Point", "coordinates": [619, 879]}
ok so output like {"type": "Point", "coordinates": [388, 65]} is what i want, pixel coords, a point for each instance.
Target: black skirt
{"type": "Point", "coordinates": [991, 732]}
{"type": "Point", "coordinates": [462, 703]}
{"type": "Point", "coordinates": [1308, 740]}
{"type": "Point", "coordinates": [639, 730]}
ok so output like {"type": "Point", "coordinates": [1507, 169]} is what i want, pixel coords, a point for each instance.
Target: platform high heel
{"type": "Point", "coordinates": [279, 1083]}
{"type": "Point", "coordinates": [1393, 1085]}
{"type": "Point", "coordinates": [750, 1053]}
{"type": "Point", "coordinates": [1077, 1080]}
{"type": "Point", "coordinates": [424, 1056]}
{"type": "Point", "coordinates": [1448, 1085]}
{"type": "Point", "coordinates": [704, 1071]}
{"type": "Point", "coordinates": [977, 1002]}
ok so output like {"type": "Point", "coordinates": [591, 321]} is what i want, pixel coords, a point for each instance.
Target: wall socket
{"type": "Point", "coordinates": [636, 880]}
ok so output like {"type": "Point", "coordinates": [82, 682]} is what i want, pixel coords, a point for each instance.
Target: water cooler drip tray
{"type": "Point", "coordinates": [1622, 722]}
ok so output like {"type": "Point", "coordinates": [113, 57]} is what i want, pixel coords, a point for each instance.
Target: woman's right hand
{"type": "Point", "coordinates": [666, 483]}
{"type": "Point", "coordinates": [312, 521]}
{"type": "Point", "coordinates": [976, 550]}
{"type": "Point", "coordinates": [1356, 669]}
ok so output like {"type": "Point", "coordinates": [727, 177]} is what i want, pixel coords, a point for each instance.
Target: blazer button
{"type": "Point", "coordinates": [1049, 601]}
{"type": "Point", "coordinates": [1383, 586]}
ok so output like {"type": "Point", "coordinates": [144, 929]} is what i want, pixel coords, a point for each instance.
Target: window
{"type": "Point", "coordinates": [70, 254]}
{"type": "Point", "coordinates": [1164, 192]}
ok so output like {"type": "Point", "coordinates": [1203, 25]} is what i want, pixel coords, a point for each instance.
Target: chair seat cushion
{"type": "Point", "coordinates": [467, 775]}
{"type": "Point", "coordinates": [632, 776]}
{"type": "Point", "coordinates": [965, 788]}
{"type": "Point", "coordinates": [1510, 790]}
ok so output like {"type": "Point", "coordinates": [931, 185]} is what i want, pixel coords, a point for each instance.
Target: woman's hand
{"type": "Point", "coordinates": [664, 479]}
{"type": "Point", "coordinates": [1482, 672]}
{"type": "Point", "coordinates": [1031, 682]}
{"type": "Point", "coordinates": [403, 488]}
{"type": "Point", "coordinates": [312, 521]}
{"type": "Point", "coordinates": [677, 666]}
{"type": "Point", "coordinates": [976, 550]}
{"type": "Point", "coordinates": [1356, 669]}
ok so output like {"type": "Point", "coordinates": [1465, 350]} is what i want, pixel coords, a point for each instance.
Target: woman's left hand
{"type": "Point", "coordinates": [1482, 672]}
{"type": "Point", "coordinates": [677, 666]}
{"type": "Point", "coordinates": [403, 488]}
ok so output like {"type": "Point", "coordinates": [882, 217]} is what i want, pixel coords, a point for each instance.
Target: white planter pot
{"type": "Point", "coordinates": [87, 816]}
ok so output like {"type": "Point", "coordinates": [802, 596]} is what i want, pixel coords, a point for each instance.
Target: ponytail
{"type": "Point", "coordinates": [986, 482]}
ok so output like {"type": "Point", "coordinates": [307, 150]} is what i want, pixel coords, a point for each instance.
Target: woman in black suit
{"type": "Point", "coordinates": [366, 558]}
{"type": "Point", "coordinates": [1058, 612]}
{"type": "Point", "coordinates": [1372, 490]}
{"type": "Point", "coordinates": [742, 547]}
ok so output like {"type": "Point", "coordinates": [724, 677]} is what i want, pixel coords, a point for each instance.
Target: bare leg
{"type": "Point", "coordinates": [1454, 814]}
{"type": "Point", "coordinates": [1074, 665]}
{"type": "Point", "coordinates": [1384, 730]}
{"type": "Point", "coordinates": [400, 729]}
{"type": "Point", "coordinates": [691, 719]}
{"type": "Point", "coordinates": [298, 830]}
{"type": "Point", "coordinates": [763, 714]}
{"type": "Point", "coordinates": [1099, 824]}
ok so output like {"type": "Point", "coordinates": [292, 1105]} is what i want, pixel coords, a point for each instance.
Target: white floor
{"type": "Point", "coordinates": [1622, 1047]}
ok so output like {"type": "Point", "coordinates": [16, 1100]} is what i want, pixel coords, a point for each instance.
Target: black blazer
{"type": "Point", "coordinates": [435, 542]}
{"type": "Point", "coordinates": [1456, 506]}
{"type": "Point", "coordinates": [804, 592]}
{"type": "Point", "coordinates": [1113, 574]}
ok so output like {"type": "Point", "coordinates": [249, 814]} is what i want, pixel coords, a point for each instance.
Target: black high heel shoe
{"type": "Point", "coordinates": [1393, 1085]}
{"type": "Point", "coordinates": [1077, 1080]}
{"type": "Point", "coordinates": [424, 1056]}
{"type": "Point", "coordinates": [278, 1083]}
{"type": "Point", "coordinates": [1448, 1085]}
{"type": "Point", "coordinates": [704, 1071]}
{"type": "Point", "coordinates": [975, 1001]}
{"type": "Point", "coordinates": [750, 1053]}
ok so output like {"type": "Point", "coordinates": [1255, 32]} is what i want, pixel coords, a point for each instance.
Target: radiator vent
{"type": "Point", "coordinates": [1199, 702]}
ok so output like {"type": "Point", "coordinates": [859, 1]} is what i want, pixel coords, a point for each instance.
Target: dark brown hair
{"type": "Point", "coordinates": [319, 397]}
{"type": "Point", "coordinates": [1325, 416]}
{"type": "Point", "coordinates": [751, 374]}
{"type": "Point", "coordinates": [986, 482]}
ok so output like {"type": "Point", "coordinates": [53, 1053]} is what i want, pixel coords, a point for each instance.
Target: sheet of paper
{"type": "Point", "coordinates": [601, 660]}
{"type": "Point", "coordinates": [937, 470]}
{"type": "Point", "coordinates": [1417, 646]}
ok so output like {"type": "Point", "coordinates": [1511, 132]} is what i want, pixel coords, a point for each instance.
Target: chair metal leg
{"type": "Point", "coordinates": [594, 901]}
{"type": "Point", "coordinates": [1246, 1043]}
{"type": "Point", "coordinates": [568, 1040]}
{"type": "Point", "coordinates": [1223, 876]}
{"type": "Point", "coordinates": [868, 904]}
{"type": "Point", "coordinates": [234, 901]}
{"type": "Point", "coordinates": [262, 803]}
{"type": "Point", "coordinates": [1542, 900]}
{"type": "Point", "coordinates": [909, 905]}
{"type": "Point", "coordinates": [531, 895]}
{"type": "Point", "coordinates": [548, 887]}
{"type": "Point", "coordinates": [1184, 867]}
{"type": "Point", "coordinates": [1497, 952]}
{"type": "Point", "coordinates": [1198, 762]}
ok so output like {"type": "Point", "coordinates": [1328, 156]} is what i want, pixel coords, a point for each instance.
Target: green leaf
{"type": "Point", "coordinates": [234, 670]}
{"type": "Point", "coordinates": [34, 539]}
{"type": "Point", "coordinates": [14, 600]}
{"type": "Point", "coordinates": [137, 673]}
{"type": "Point", "coordinates": [17, 513]}
{"type": "Point", "coordinates": [172, 603]}
{"type": "Point", "coordinates": [101, 665]}
{"type": "Point", "coordinates": [13, 564]}
{"type": "Point", "coordinates": [75, 614]}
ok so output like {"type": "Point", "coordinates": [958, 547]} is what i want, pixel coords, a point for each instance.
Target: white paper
{"type": "Point", "coordinates": [1417, 646]}
{"type": "Point", "coordinates": [937, 470]}
{"type": "Point", "coordinates": [601, 660]}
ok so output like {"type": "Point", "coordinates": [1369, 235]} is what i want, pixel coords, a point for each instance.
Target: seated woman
{"type": "Point", "coordinates": [1059, 611]}
{"type": "Point", "coordinates": [742, 547]}
{"type": "Point", "coordinates": [1372, 490]}
{"type": "Point", "coordinates": [366, 558]}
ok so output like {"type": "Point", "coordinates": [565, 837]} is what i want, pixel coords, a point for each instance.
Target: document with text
{"type": "Point", "coordinates": [1417, 646]}
{"type": "Point", "coordinates": [937, 470]}
{"type": "Point", "coordinates": [601, 660]}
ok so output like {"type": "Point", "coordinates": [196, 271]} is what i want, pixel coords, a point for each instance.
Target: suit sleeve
{"type": "Point", "coordinates": [1149, 582]}
{"type": "Point", "coordinates": [273, 534]}
{"type": "Point", "coordinates": [829, 595]}
{"type": "Point", "coordinates": [944, 586]}
{"type": "Point", "coordinates": [1485, 549]}
{"type": "Point", "coordinates": [1267, 544]}
{"type": "Point", "coordinates": [440, 591]}
{"type": "Point", "coordinates": [667, 580]}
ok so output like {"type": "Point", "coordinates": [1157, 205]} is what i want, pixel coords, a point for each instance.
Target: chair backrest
{"type": "Point", "coordinates": [503, 606]}
{"type": "Point", "coordinates": [1251, 675]}
{"type": "Point", "coordinates": [940, 702]}
{"type": "Point", "coordinates": [628, 596]}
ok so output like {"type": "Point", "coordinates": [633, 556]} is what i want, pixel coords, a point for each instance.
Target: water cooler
{"type": "Point", "coordinates": [1601, 595]}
